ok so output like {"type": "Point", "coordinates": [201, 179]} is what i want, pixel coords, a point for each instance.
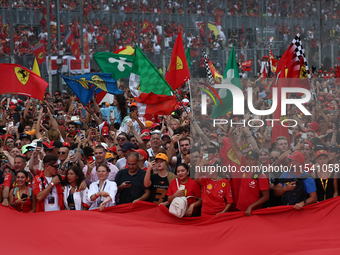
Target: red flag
{"type": "Point", "coordinates": [39, 52]}
{"type": "Point", "coordinates": [291, 72]}
{"type": "Point", "coordinates": [150, 103]}
{"type": "Point", "coordinates": [246, 65]}
{"type": "Point", "coordinates": [146, 26]}
{"type": "Point", "coordinates": [69, 39]}
{"type": "Point", "coordinates": [22, 81]}
{"type": "Point", "coordinates": [178, 70]}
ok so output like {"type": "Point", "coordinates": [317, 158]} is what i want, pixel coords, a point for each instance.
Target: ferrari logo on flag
{"type": "Point", "coordinates": [72, 42]}
{"type": "Point", "coordinates": [303, 73]}
{"type": "Point", "coordinates": [40, 56]}
{"type": "Point", "coordinates": [179, 64]}
{"type": "Point", "coordinates": [22, 75]}
{"type": "Point", "coordinates": [145, 25]}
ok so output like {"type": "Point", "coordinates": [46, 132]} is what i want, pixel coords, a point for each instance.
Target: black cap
{"type": "Point", "coordinates": [320, 146]}
{"type": "Point", "coordinates": [56, 144]}
{"type": "Point", "coordinates": [252, 154]}
{"type": "Point", "coordinates": [24, 135]}
{"type": "Point", "coordinates": [334, 148]}
{"type": "Point", "coordinates": [127, 146]}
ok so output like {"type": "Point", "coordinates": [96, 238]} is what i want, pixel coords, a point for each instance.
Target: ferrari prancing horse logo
{"type": "Point", "coordinates": [22, 75]}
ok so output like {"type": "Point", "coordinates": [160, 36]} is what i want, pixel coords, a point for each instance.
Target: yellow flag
{"type": "Point", "coordinates": [36, 67]}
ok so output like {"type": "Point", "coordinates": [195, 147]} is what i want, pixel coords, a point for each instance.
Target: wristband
{"type": "Point", "coordinates": [96, 195]}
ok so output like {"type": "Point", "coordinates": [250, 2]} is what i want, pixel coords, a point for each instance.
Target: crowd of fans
{"type": "Point", "coordinates": [58, 154]}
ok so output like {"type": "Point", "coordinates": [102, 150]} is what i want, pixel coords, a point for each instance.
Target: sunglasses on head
{"type": "Point", "coordinates": [62, 152]}
{"type": "Point", "coordinates": [121, 139]}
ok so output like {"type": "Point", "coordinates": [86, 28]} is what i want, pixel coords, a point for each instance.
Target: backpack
{"type": "Point", "coordinates": [296, 195]}
{"type": "Point", "coordinates": [179, 205]}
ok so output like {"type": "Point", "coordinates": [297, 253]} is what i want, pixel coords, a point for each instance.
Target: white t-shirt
{"type": "Point", "coordinates": [108, 186]}
{"type": "Point", "coordinates": [121, 163]}
{"type": "Point", "coordinates": [48, 206]}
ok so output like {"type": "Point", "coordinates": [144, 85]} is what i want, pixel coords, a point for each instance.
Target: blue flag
{"type": "Point", "coordinates": [84, 85]}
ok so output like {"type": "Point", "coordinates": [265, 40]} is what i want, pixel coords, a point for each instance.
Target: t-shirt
{"type": "Point", "coordinates": [192, 190]}
{"type": "Point", "coordinates": [250, 190]}
{"type": "Point", "coordinates": [124, 127]}
{"type": "Point", "coordinates": [215, 195]}
{"type": "Point", "coordinates": [137, 188]}
{"type": "Point", "coordinates": [309, 183]}
{"type": "Point", "coordinates": [158, 189]}
{"type": "Point", "coordinates": [51, 201]}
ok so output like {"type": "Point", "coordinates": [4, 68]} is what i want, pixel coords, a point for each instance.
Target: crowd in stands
{"type": "Point", "coordinates": [58, 154]}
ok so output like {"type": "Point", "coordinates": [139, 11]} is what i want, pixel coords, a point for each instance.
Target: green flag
{"type": "Point", "coordinates": [187, 55]}
{"type": "Point", "coordinates": [118, 65]}
{"type": "Point", "coordinates": [230, 76]}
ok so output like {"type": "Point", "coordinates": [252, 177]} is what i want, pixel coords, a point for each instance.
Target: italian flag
{"type": "Point", "coordinates": [149, 88]}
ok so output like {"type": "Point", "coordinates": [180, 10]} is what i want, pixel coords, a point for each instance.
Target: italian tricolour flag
{"type": "Point", "coordinates": [149, 88]}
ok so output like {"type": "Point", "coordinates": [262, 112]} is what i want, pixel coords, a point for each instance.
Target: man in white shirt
{"type": "Point", "coordinates": [155, 143]}
{"type": "Point", "coordinates": [137, 122]}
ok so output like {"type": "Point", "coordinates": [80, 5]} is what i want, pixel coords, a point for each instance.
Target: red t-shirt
{"type": "Point", "coordinates": [250, 190]}
{"type": "Point", "coordinates": [215, 195]}
{"type": "Point", "coordinates": [192, 190]}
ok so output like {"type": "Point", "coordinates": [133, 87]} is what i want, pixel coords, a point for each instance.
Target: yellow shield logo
{"type": "Point", "coordinates": [40, 56]}
{"type": "Point", "coordinates": [303, 72]}
{"type": "Point", "coordinates": [22, 75]}
{"type": "Point", "coordinates": [179, 64]}
{"type": "Point", "coordinates": [145, 25]}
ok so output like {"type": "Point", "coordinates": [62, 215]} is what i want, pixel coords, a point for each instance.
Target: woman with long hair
{"type": "Point", "coordinates": [184, 186]}
{"type": "Point", "coordinates": [21, 197]}
{"type": "Point", "coordinates": [119, 107]}
{"type": "Point", "coordinates": [75, 199]}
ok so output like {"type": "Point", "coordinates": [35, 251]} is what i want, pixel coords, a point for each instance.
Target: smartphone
{"type": "Point", "coordinates": [336, 122]}
{"type": "Point", "coordinates": [39, 144]}
{"type": "Point", "coordinates": [152, 158]}
{"type": "Point", "coordinates": [112, 114]}
{"type": "Point", "coordinates": [83, 113]}
{"type": "Point", "coordinates": [82, 135]}
{"type": "Point", "coordinates": [176, 132]}
{"type": "Point", "coordinates": [127, 182]}
{"type": "Point", "coordinates": [205, 155]}
{"type": "Point", "coordinates": [188, 151]}
{"type": "Point", "coordinates": [304, 136]}
{"type": "Point", "coordinates": [10, 124]}
{"type": "Point", "coordinates": [71, 153]}
{"type": "Point", "coordinates": [16, 117]}
{"type": "Point", "coordinates": [90, 159]}
{"type": "Point", "coordinates": [44, 108]}
{"type": "Point", "coordinates": [24, 196]}
{"type": "Point", "coordinates": [93, 124]}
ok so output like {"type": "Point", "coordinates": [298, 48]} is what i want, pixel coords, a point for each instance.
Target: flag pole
{"type": "Point", "coordinates": [191, 109]}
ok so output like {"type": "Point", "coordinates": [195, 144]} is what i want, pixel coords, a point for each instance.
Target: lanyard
{"type": "Point", "coordinates": [47, 185]}
{"type": "Point", "coordinates": [100, 197]}
{"type": "Point", "coordinates": [20, 198]}
{"type": "Point", "coordinates": [296, 177]}
{"type": "Point", "coordinates": [324, 186]}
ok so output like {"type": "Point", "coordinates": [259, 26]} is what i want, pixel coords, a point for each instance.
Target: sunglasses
{"type": "Point", "coordinates": [55, 166]}
{"type": "Point", "coordinates": [30, 149]}
{"type": "Point", "coordinates": [18, 144]}
{"type": "Point", "coordinates": [121, 139]}
{"type": "Point", "coordinates": [9, 141]}
{"type": "Point", "coordinates": [62, 152]}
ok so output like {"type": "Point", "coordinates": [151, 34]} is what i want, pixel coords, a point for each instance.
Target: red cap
{"type": "Point", "coordinates": [143, 153]}
{"type": "Point", "coordinates": [146, 137]}
{"type": "Point", "coordinates": [298, 156]}
{"type": "Point", "coordinates": [298, 134]}
{"type": "Point", "coordinates": [155, 125]}
{"type": "Point", "coordinates": [133, 104]}
{"type": "Point", "coordinates": [309, 129]}
{"type": "Point", "coordinates": [105, 131]}
{"type": "Point", "coordinates": [321, 152]}
{"type": "Point", "coordinates": [309, 143]}
{"type": "Point", "coordinates": [66, 144]}
{"type": "Point", "coordinates": [47, 145]}
{"type": "Point", "coordinates": [214, 135]}
{"type": "Point", "coordinates": [112, 149]}
{"type": "Point", "coordinates": [315, 126]}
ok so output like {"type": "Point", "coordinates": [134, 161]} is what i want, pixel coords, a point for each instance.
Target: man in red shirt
{"type": "Point", "coordinates": [47, 186]}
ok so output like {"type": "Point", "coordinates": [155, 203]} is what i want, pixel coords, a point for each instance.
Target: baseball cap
{"type": "Point", "coordinates": [320, 146]}
{"type": "Point", "coordinates": [166, 134]}
{"type": "Point", "coordinates": [321, 152]}
{"type": "Point", "coordinates": [148, 123]}
{"type": "Point", "coordinates": [63, 92]}
{"type": "Point", "coordinates": [143, 153]}
{"type": "Point", "coordinates": [24, 135]}
{"type": "Point", "coordinates": [112, 149]}
{"type": "Point", "coordinates": [47, 146]}
{"type": "Point", "coordinates": [66, 144]}
{"type": "Point", "coordinates": [334, 148]}
{"type": "Point", "coordinates": [72, 133]}
{"type": "Point", "coordinates": [133, 104]}
{"type": "Point", "coordinates": [146, 137]}
{"type": "Point", "coordinates": [309, 144]}
{"type": "Point", "coordinates": [127, 146]}
{"type": "Point", "coordinates": [162, 156]}
{"type": "Point", "coordinates": [252, 154]}
{"type": "Point", "coordinates": [298, 156]}
{"type": "Point", "coordinates": [105, 131]}
{"type": "Point", "coordinates": [109, 156]}
{"type": "Point", "coordinates": [56, 144]}
{"type": "Point", "coordinates": [25, 148]}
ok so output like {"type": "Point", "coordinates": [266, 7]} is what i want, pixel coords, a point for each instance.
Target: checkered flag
{"type": "Point", "coordinates": [300, 51]}
{"type": "Point", "coordinates": [207, 69]}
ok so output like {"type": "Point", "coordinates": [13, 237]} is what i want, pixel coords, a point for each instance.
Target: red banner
{"type": "Point", "coordinates": [147, 26]}
{"type": "Point", "coordinates": [246, 65]}
{"type": "Point", "coordinates": [39, 52]}
{"type": "Point", "coordinates": [266, 231]}
{"type": "Point", "coordinates": [69, 39]}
